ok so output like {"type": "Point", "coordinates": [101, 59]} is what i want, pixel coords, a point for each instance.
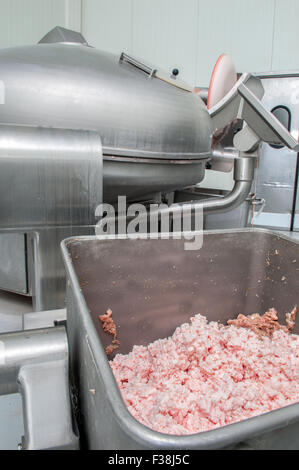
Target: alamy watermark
{"type": "Point", "coordinates": [137, 221]}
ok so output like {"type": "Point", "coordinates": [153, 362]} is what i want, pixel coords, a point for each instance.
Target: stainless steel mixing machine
{"type": "Point", "coordinates": [78, 127]}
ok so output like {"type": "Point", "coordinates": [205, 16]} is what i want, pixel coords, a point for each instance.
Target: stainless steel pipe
{"type": "Point", "coordinates": [243, 177]}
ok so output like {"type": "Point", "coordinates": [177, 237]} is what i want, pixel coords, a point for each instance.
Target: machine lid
{"type": "Point", "coordinates": [137, 113]}
{"type": "Point", "coordinates": [224, 77]}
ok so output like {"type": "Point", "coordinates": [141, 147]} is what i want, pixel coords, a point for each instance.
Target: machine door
{"type": "Point", "coordinates": [276, 176]}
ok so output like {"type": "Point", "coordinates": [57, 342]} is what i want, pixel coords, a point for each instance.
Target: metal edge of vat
{"type": "Point", "coordinates": [125, 431]}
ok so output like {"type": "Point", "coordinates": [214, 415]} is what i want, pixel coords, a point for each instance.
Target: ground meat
{"type": "Point", "coordinates": [209, 375]}
{"type": "Point", "coordinates": [291, 319]}
{"type": "Point", "coordinates": [266, 324]}
{"type": "Point", "coordinates": [112, 347]}
{"type": "Point", "coordinates": [110, 327]}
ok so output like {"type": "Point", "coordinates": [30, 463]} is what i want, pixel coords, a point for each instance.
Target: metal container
{"type": "Point", "coordinates": [153, 286]}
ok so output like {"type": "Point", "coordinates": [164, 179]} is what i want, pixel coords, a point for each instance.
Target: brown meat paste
{"type": "Point", "coordinates": [110, 327]}
{"type": "Point", "coordinates": [265, 325]}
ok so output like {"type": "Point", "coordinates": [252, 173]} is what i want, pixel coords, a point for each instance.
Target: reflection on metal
{"type": "Point", "coordinates": [63, 35]}
{"type": "Point", "coordinates": [139, 179]}
{"type": "Point", "coordinates": [31, 320]}
{"type": "Point", "coordinates": [276, 177]}
{"type": "Point", "coordinates": [71, 86]}
{"type": "Point", "coordinates": [13, 265]}
{"type": "Point", "coordinates": [35, 363]}
{"type": "Point", "coordinates": [51, 183]}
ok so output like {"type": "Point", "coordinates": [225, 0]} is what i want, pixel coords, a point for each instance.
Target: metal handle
{"type": "Point", "coordinates": [136, 63]}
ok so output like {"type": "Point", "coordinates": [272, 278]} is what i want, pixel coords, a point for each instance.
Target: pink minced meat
{"type": "Point", "coordinates": [208, 375]}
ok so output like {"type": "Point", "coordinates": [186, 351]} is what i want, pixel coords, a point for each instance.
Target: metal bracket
{"type": "Point", "coordinates": [35, 363]}
{"type": "Point", "coordinates": [243, 102]}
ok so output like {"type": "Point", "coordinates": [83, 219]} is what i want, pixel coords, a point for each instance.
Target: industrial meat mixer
{"type": "Point", "coordinates": [80, 127]}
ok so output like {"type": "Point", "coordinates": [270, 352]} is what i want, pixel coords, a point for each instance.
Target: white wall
{"type": "Point", "coordinates": [260, 35]}
{"type": "Point", "coordinates": [27, 21]}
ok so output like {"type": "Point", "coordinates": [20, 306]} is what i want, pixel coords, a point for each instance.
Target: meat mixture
{"type": "Point", "coordinates": [265, 325]}
{"type": "Point", "coordinates": [209, 375]}
{"type": "Point", "coordinates": [110, 327]}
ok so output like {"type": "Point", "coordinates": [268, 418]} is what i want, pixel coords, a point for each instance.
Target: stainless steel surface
{"type": "Point", "coordinates": [13, 266]}
{"type": "Point", "coordinates": [243, 102]}
{"type": "Point", "coordinates": [48, 319]}
{"type": "Point", "coordinates": [237, 218]}
{"type": "Point", "coordinates": [72, 86]}
{"type": "Point", "coordinates": [11, 421]}
{"type": "Point", "coordinates": [138, 179]}
{"type": "Point", "coordinates": [15, 315]}
{"type": "Point", "coordinates": [45, 268]}
{"type": "Point", "coordinates": [277, 166]}
{"type": "Point", "coordinates": [243, 177]}
{"type": "Point", "coordinates": [240, 217]}
{"type": "Point", "coordinates": [149, 299]}
{"type": "Point", "coordinates": [35, 363]}
{"type": "Point", "coordinates": [203, 92]}
{"type": "Point", "coordinates": [59, 34]}
{"type": "Point", "coordinates": [49, 177]}
{"type": "Point", "coordinates": [12, 308]}
{"type": "Point", "coordinates": [262, 123]}
{"type": "Point", "coordinates": [20, 321]}
{"type": "Point", "coordinates": [20, 348]}
{"type": "Point", "coordinates": [275, 179]}
{"type": "Point", "coordinates": [50, 186]}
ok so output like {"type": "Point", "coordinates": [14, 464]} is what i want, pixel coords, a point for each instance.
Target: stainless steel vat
{"type": "Point", "coordinates": [149, 298]}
